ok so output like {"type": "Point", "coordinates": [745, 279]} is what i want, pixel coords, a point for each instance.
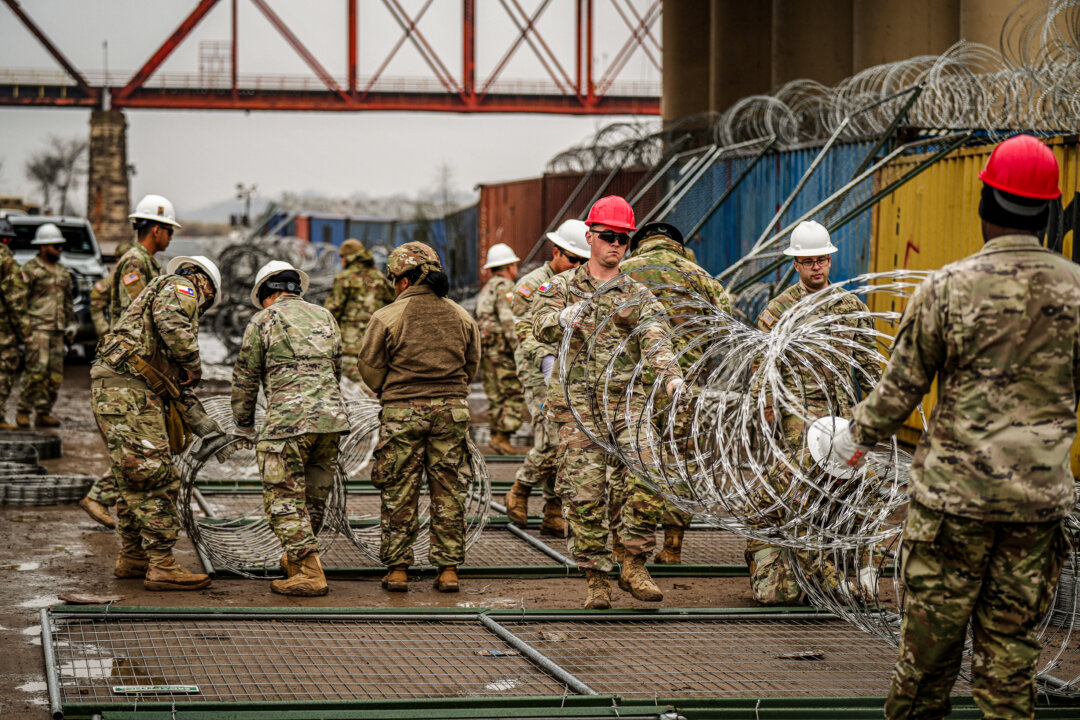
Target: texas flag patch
{"type": "Point", "coordinates": [131, 277]}
{"type": "Point", "coordinates": [525, 291]}
{"type": "Point", "coordinates": [185, 290]}
{"type": "Point", "coordinates": [545, 287]}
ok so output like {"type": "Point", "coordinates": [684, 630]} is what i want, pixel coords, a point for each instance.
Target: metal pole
{"type": "Point", "coordinates": [550, 667]}
{"type": "Point", "coordinates": [542, 547]}
{"type": "Point", "coordinates": [52, 678]}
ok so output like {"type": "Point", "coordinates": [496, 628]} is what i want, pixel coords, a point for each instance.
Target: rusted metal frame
{"type": "Point", "coordinates": [590, 87]}
{"type": "Point", "coordinates": [420, 42]}
{"type": "Point", "coordinates": [393, 50]}
{"type": "Point", "coordinates": [543, 43]}
{"type": "Point", "coordinates": [51, 49]}
{"type": "Point", "coordinates": [301, 50]}
{"type": "Point", "coordinates": [523, 36]}
{"type": "Point", "coordinates": [647, 31]}
{"type": "Point", "coordinates": [235, 33]}
{"type": "Point", "coordinates": [352, 48]}
{"type": "Point", "coordinates": [162, 53]}
{"type": "Point", "coordinates": [468, 50]}
{"type": "Point", "coordinates": [577, 47]}
{"type": "Point", "coordinates": [627, 50]}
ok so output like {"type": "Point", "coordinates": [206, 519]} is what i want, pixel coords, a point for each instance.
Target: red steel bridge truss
{"type": "Point", "coordinates": [573, 86]}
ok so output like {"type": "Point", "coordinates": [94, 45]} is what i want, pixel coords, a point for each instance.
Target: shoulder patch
{"type": "Point", "coordinates": [99, 286]}
{"type": "Point", "coordinates": [130, 278]}
{"type": "Point", "coordinates": [545, 287]}
{"type": "Point", "coordinates": [510, 296]}
{"type": "Point", "coordinates": [182, 289]}
{"type": "Point", "coordinates": [525, 291]}
{"type": "Point", "coordinates": [767, 318]}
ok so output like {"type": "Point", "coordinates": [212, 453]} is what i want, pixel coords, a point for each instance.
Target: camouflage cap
{"type": "Point", "coordinates": [412, 255]}
{"type": "Point", "coordinates": [353, 247]}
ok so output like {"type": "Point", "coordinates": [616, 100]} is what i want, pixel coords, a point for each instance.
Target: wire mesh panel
{"type": "Point", "coordinates": [700, 546]}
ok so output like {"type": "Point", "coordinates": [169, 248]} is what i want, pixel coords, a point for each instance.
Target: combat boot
{"type": "Point", "coordinates": [22, 419]}
{"type": "Point", "coordinates": [517, 504]}
{"type": "Point", "coordinates": [635, 579]}
{"type": "Point", "coordinates": [500, 443]}
{"type": "Point", "coordinates": [397, 580]}
{"type": "Point", "coordinates": [553, 524]}
{"type": "Point", "coordinates": [47, 420]}
{"type": "Point", "coordinates": [4, 425]}
{"type": "Point", "coordinates": [164, 573]}
{"type": "Point", "coordinates": [447, 580]}
{"type": "Point", "coordinates": [288, 566]}
{"type": "Point", "coordinates": [672, 552]}
{"type": "Point", "coordinates": [132, 561]}
{"type": "Point", "coordinates": [99, 512]}
{"type": "Point", "coordinates": [599, 597]}
{"type": "Point", "coordinates": [618, 551]}
{"type": "Point", "coordinates": [308, 580]}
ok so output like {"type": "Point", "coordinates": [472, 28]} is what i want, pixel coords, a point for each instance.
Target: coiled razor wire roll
{"type": "Point", "coordinates": [713, 450]}
{"type": "Point", "coordinates": [246, 545]}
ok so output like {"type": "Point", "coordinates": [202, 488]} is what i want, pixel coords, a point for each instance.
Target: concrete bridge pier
{"type": "Point", "coordinates": [107, 189]}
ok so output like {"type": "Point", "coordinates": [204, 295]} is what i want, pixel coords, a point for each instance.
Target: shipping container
{"type": "Point", "coordinates": [511, 213]}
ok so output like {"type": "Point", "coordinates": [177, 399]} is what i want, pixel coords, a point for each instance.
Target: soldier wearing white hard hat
{"type": "Point", "coordinates": [154, 221]}
{"type": "Point", "coordinates": [498, 373]}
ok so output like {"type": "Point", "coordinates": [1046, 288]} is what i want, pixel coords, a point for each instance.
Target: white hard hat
{"type": "Point", "coordinates": [500, 254]}
{"type": "Point", "coordinates": [819, 441]}
{"type": "Point", "coordinates": [48, 234]}
{"type": "Point", "coordinates": [273, 268]}
{"type": "Point", "coordinates": [202, 262]}
{"type": "Point", "coordinates": [810, 239]}
{"type": "Point", "coordinates": [156, 208]}
{"type": "Point", "coordinates": [571, 237]}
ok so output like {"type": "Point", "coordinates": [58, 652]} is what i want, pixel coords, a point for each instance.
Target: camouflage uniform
{"type": "Point", "coordinates": [771, 577]}
{"type": "Point", "coordinates": [359, 290]}
{"type": "Point", "coordinates": [647, 265]}
{"type": "Point", "coordinates": [294, 348]}
{"type": "Point", "coordinates": [162, 327]}
{"type": "Point", "coordinates": [498, 372]}
{"type": "Point", "coordinates": [582, 477]}
{"type": "Point", "coordinates": [50, 309]}
{"type": "Point", "coordinates": [541, 463]}
{"type": "Point", "coordinates": [990, 482]}
{"type": "Point", "coordinates": [134, 271]}
{"type": "Point", "coordinates": [14, 323]}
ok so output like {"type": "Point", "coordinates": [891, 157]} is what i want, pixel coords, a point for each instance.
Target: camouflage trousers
{"type": "Point", "coordinates": [421, 438]}
{"type": "Point", "coordinates": [132, 419]}
{"type": "Point", "coordinates": [297, 476]}
{"type": "Point", "coordinates": [9, 367]}
{"type": "Point", "coordinates": [541, 464]}
{"type": "Point", "coordinates": [593, 500]}
{"type": "Point", "coordinates": [506, 399]}
{"type": "Point", "coordinates": [44, 371]}
{"type": "Point", "coordinates": [1001, 578]}
{"type": "Point", "coordinates": [105, 490]}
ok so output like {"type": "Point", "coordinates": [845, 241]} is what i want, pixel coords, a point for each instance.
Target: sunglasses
{"type": "Point", "coordinates": [573, 259]}
{"type": "Point", "coordinates": [610, 236]}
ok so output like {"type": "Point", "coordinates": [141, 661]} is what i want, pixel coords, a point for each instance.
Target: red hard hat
{"type": "Point", "coordinates": [1023, 166]}
{"type": "Point", "coordinates": [612, 211]}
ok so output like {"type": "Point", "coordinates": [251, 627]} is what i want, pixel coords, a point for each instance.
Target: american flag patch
{"type": "Point", "coordinates": [185, 290]}
{"type": "Point", "coordinates": [525, 291]}
{"type": "Point", "coordinates": [767, 318]}
{"type": "Point", "coordinates": [130, 278]}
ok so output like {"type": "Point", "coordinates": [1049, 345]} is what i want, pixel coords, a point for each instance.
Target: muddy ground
{"type": "Point", "coordinates": [52, 550]}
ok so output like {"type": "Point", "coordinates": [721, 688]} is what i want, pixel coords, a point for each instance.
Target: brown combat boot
{"type": "Point", "coordinates": [500, 443]}
{"type": "Point", "coordinates": [99, 512]}
{"type": "Point", "coordinates": [47, 420]}
{"type": "Point", "coordinates": [517, 504]}
{"type": "Point", "coordinates": [635, 579]}
{"type": "Point", "coordinates": [132, 561]}
{"type": "Point", "coordinates": [308, 581]}
{"type": "Point", "coordinates": [22, 419]}
{"type": "Point", "coordinates": [447, 580]}
{"type": "Point", "coordinates": [397, 580]}
{"type": "Point", "coordinates": [672, 552]}
{"type": "Point", "coordinates": [618, 551]}
{"type": "Point", "coordinates": [599, 597]}
{"type": "Point", "coordinates": [4, 425]}
{"type": "Point", "coordinates": [288, 566]}
{"type": "Point", "coordinates": [165, 573]}
{"type": "Point", "coordinates": [553, 524]}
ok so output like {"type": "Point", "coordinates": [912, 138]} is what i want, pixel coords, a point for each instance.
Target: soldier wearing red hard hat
{"type": "Point", "coordinates": [990, 485]}
{"type": "Point", "coordinates": [580, 301]}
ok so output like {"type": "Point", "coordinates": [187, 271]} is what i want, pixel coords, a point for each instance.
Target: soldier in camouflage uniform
{"type": "Point", "coordinates": [51, 314]}
{"type": "Point", "coordinates": [359, 290]}
{"type": "Point", "coordinates": [14, 325]}
{"type": "Point", "coordinates": [659, 258]}
{"type": "Point", "coordinates": [569, 249]}
{"type": "Point", "coordinates": [142, 385]}
{"type": "Point", "coordinates": [498, 371]}
{"type": "Point", "coordinates": [101, 294]}
{"type": "Point", "coordinates": [154, 221]}
{"type": "Point", "coordinates": [292, 348]}
{"type": "Point", "coordinates": [419, 355]}
{"type": "Point", "coordinates": [984, 542]}
{"type": "Point", "coordinates": [771, 576]}
{"type": "Point", "coordinates": [583, 480]}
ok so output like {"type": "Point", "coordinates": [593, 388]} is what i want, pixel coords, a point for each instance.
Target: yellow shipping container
{"type": "Point", "coordinates": [933, 220]}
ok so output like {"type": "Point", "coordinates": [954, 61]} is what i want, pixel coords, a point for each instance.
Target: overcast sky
{"type": "Point", "coordinates": [196, 157]}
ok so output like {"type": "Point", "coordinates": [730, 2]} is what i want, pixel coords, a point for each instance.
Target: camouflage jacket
{"type": "Point", "coordinates": [99, 304]}
{"type": "Point", "coordinates": [133, 272]}
{"type": "Point", "coordinates": [294, 349]}
{"type": "Point", "coordinates": [495, 319]}
{"type": "Point", "coordinates": [844, 304]}
{"type": "Point", "coordinates": [692, 283]}
{"type": "Point", "coordinates": [584, 389]}
{"type": "Point", "coordinates": [49, 299]}
{"type": "Point", "coordinates": [359, 290]}
{"type": "Point", "coordinates": [1000, 330]}
{"type": "Point", "coordinates": [529, 350]}
{"type": "Point", "coordinates": [14, 325]}
{"type": "Point", "coordinates": [162, 327]}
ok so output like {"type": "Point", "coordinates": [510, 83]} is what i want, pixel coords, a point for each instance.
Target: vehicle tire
{"type": "Point", "coordinates": [43, 489]}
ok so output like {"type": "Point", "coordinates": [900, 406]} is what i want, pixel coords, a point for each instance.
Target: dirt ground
{"type": "Point", "coordinates": [54, 550]}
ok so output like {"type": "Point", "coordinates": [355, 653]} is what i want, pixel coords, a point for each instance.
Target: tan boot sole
{"type": "Point", "coordinates": [130, 574]}
{"type": "Point", "coordinates": [665, 559]}
{"type": "Point", "coordinates": [301, 592]}
{"type": "Point", "coordinates": [598, 604]}
{"type": "Point", "coordinates": [447, 587]}
{"type": "Point", "coordinates": [161, 585]}
{"type": "Point", "coordinates": [394, 586]}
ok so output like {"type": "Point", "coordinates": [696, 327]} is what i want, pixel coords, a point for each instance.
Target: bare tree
{"type": "Point", "coordinates": [43, 169]}
{"type": "Point", "coordinates": [57, 169]}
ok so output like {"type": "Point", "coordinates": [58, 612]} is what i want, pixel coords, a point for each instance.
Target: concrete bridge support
{"type": "Point", "coordinates": [107, 190]}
